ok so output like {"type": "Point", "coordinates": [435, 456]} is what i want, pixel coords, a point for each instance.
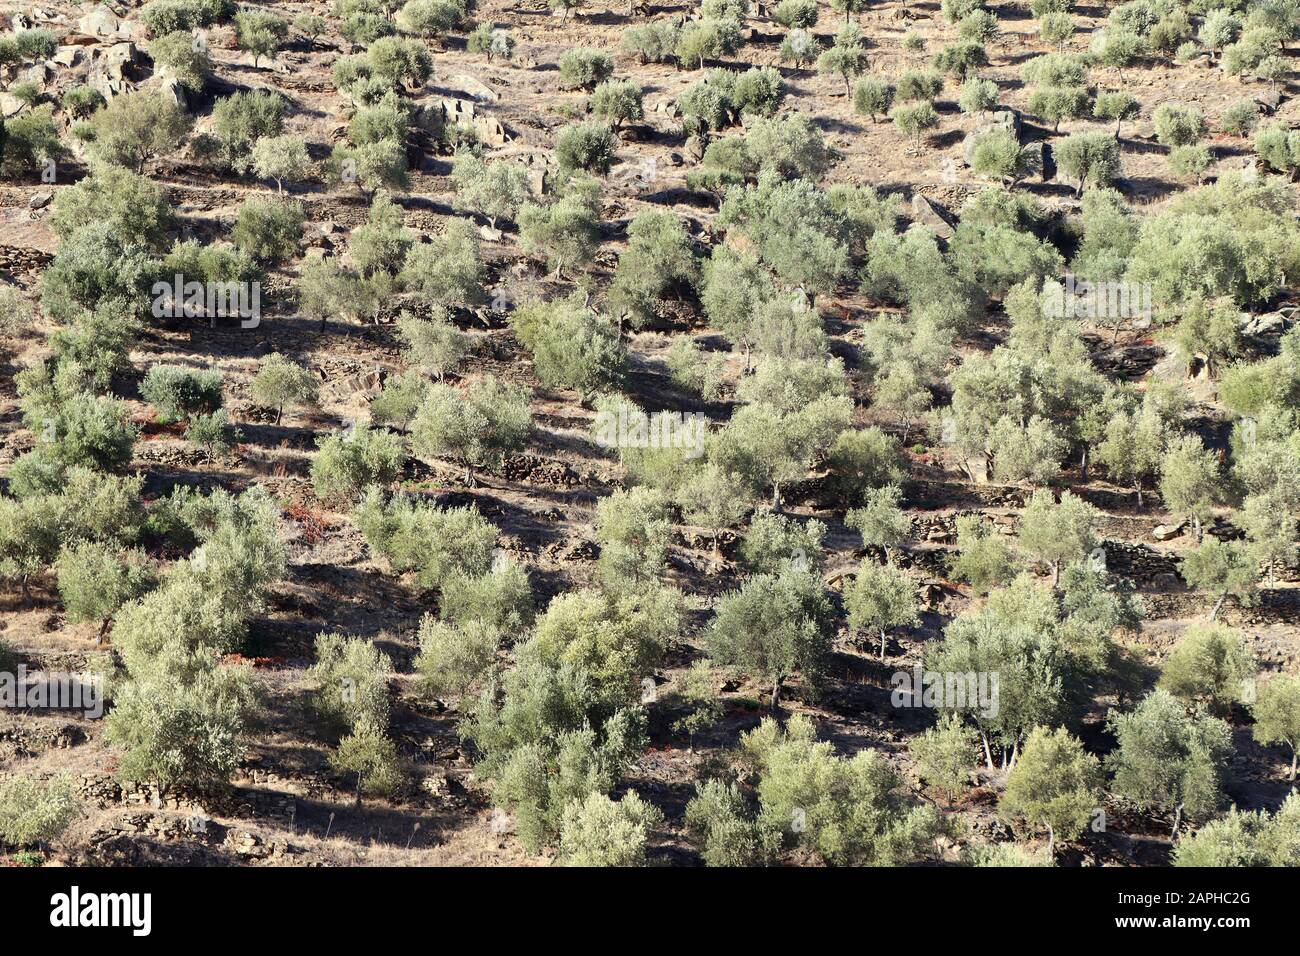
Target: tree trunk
{"type": "Point", "coordinates": [1056, 573]}
{"type": "Point", "coordinates": [1051, 840]}
{"type": "Point", "coordinates": [776, 693]}
{"type": "Point", "coordinates": [279, 414]}
{"type": "Point", "coordinates": [1295, 758]}
{"type": "Point", "coordinates": [1214, 614]}
{"type": "Point", "coordinates": [1178, 819]}
{"type": "Point", "coordinates": [1139, 491]}
{"type": "Point", "coordinates": [882, 643]}
{"type": "Point", "coordinates": [988, 754]}
{"type": "Point", "coordinates": [1196, 523]}
{"type": "Point", "coordinates": [776, 496]}
{"type": "Point", "coordinates": [103, 629]}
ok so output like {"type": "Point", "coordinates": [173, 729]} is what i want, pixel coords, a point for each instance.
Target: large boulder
{"type": "Point", "coordinates": [113, 74]}
{"type": "Point", "coordinates": [475, 88]}
{"type": "Point", "coordinates": [932, 216]}
{"type": "Point", "coordinates": [10, 105]}
{"type": "Point", "coordinates": [458, 111]}
{"type": "Point", "coordinates": [121, 59]}
{"type": "Point", "coordinates": [171, 87]}
{"type": "Point", "coordinates": [490, 131]}
{"type": "Point", "coordinates": [100, 22]}
{"type": "Point", "coordinates": [1269, 100]}
{"type": "Point", "coordinates": [1039, 164]}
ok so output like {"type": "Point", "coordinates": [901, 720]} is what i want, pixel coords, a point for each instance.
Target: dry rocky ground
{"type": "Point", "coordinates": [286, 805]}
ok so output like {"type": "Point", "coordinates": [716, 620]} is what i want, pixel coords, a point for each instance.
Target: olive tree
{"type": "Point", "coordinates": [347, 463]}
{"type": "Point", "coordinates": [913, 119]}
{"type": "Point", "coordinates": [946, 754]}
{"type": "Point", "coordinates": [775, 625]}
{"type": "Point", "coordinates": [565, 232]}
{"type": "Point", "coordinates": [433, 343]}
{"type": "Point", "coordinates": [659, 259]}
{"type": "Point", "coordinates": [1133, 447]}
{"type": "Point", "coordinates": [633, 528]}
{"type": "Point", "coordinates": [260, 32]}
{"type": "Point", "coordinates": [280, 382]}
{"type": "Point", "coordinates": [350, 681]}
{"type": "Point", "coordinates": [96, 578]}
{"type": "Point", "coordinates": [1055, 785]}
{"type": "Point", "coordinates": [848, 810]}
{"type": "Point", "coordinates": [774, 541]}
{"type": "Point", "coordinates": [872, 96]}
{"type": "Point", "coordinates": [370, 754]}
{"type": "Point", "coordinates": [1189, 479]}
{"type": "Point", "coordinates": [1209, 667]}
{"type": "Point", "coordinates": [137, 127]}
{"type": "Point", "coordinates": [572, 345]}
{"type": "Point", "coordinates": [479, 427]}
{"type": "Point", "coordinates": [439, 544]}
{"type": "Point", "coordinates": [1277, 715]}
{"type": "Point", "coordinates": [983, 556]}
{"type": "Point", "coordinates": [881, 597]}
{"type": "Point", "coordinates": [1091, 158]}
{"type": "Point", "coordinates": [36, 812]}
{"type": "Point", "coordinates": [242, 119]}
{"type": "Point", "coordinates": [1168, 760]}
{"type": "Point", "coordinates": [1117, 106]}
{"type": "Point", "coordinates": [598, 831]}
{"type": "Point", "coordinates": [846, 58]}
{"type": "Point", "coordinates": [587, 146]}
{"type": "Point", "coordinates": [280, 158]}
{"type": "Point", "coordinates": [712, 497]}
{"type": "Point", "coordinates": [1224, 569]}
{"type": "Point", "coordinates": [492, 190]}
{"type": "Point", "coordinates": [880, 519]}
{"type": "Point", "coordinates": [189, 62]}
{"type": "Point", "coordinates": [1178, 125]}
{"type": "Point", "coordinates": [455, 658]}
{"type": "Point", "coordinates": [183, 729]}
{"type": "Point", "coordinates": [1057, 533]}
{"type": "Point", "coordinates": [1245, 838]}
{"type": "Point", "coordinates": [447, 270]}
{"type": "Point", "coordinates": [1034, 672]}
{"type": "Point", "coordinates": [269, 230]}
